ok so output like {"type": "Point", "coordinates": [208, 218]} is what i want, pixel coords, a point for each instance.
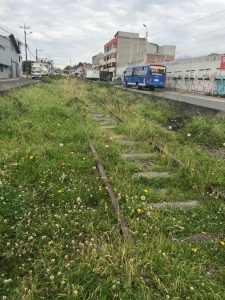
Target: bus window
{"type": "Point", "coordinates": [143, 71]}
{"type": "Point", "coordinates": [128, 72]}
{"type": "Point", "coordinates": [158, 70]}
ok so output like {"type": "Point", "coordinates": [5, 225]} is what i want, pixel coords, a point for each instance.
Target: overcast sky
{"type": "Point", "coordinates": [77, 30]}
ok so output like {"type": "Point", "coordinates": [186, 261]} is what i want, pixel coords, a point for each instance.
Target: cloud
{"type": "Point", "coordinates": [76, 30]}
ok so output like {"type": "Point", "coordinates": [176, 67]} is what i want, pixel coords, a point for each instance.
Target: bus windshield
{"type": "Point", "coordinates": [158, 70]}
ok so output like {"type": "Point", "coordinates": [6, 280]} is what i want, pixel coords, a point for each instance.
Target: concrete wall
{"type": "Point", "coordinates": [152, 48]}
{"type": "Point", "coordinates": [195, 74]}
{"type": "Point", "coordinates": [10, 59]}
{"type": "Point", "coordinates": [124, 34]}
{"type": "Point", "coordinates": [130, 51]}
{"type": "Point", "coordinates": [167, 50]}
{"type": "Point", "coordinates": [4, 71]}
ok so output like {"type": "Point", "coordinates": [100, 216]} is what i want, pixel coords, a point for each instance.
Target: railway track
{"type": "Point", "coordinates": [163, 151]}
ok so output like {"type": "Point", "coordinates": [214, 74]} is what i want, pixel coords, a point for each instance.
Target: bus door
{"type": "Point", "coordinates": [129, 75]}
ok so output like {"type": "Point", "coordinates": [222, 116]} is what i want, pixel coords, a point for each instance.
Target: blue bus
{"type": "Point", "coordinates": [148, 75]}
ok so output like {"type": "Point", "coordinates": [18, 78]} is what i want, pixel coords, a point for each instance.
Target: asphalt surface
{"type": "Point", "coordinates": [184, 97]}
{"type": "Point", "coordinates": [8, 84]}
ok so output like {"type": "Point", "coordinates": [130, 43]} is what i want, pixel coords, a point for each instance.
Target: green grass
{"type": "Point", "coordinates": [59, 238]}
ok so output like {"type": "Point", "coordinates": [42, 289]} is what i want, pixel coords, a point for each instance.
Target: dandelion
{"type": "Point", "coordinates": [107, 146]}
{"type": "Point", "coordinates": [188, 135]}
{"type": "Point", "coordinates": [148, 213]}
{"type": "Point", "coordinates": [52, 277]}
{"type": "Point", "coordinates": [145, 190]}
{"type": "Point", "coordinates": [6, 281]}
{"type": "Point", "coordinates": [31, 157]}
{"type": "Point", "coordinates": [143, 198]}
{"type": "Point", "coordinates": [84, 158]}
{"type": "Point", "coordinates": [222, 243]}
{"type": "Point", "coordinates": [194, 250]}
{"type": "Point", "coordinates": [170, 127]}
{"type": "Point", "coordinates": [61, 145]}
{"type": "Point", "coordinates": [60, 191]}
{"type": "Point", "coordinates": [75, 292]}
{"type": "Point", "coordinates": [139, 210]}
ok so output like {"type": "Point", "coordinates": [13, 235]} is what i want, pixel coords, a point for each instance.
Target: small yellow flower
{"type": "Point", "coordinates": [139, 210]}
{"type": "Point", "coordinates": [84, 158]}
{"type": "Point", "coordinates": [194, 250]}
{"type": "Point", "coordinates": [145, 190]}
{"type": "Point", "coordinates": [31, 157]}
{"type": "Point", "coordinates": [222, 243]}
{"type": "Point", "coordinates": [60, 191]}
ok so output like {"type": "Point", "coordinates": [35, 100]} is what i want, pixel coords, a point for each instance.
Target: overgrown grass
{"type": "Point", "coordinates": [59, 236]}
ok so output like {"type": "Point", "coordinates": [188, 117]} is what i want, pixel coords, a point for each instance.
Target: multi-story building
{"type": "Point", "coordinates": [128, 48]}
{"type": "Point", "coordinates": [10, 57]}
{"type": "Point", "coordinates": [98, 61]}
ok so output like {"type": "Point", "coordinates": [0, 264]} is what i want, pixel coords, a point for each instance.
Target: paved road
{"type": "Point", "coordinates": [191, 98]}
{"type": "Point", "coordinates": [8, 84]}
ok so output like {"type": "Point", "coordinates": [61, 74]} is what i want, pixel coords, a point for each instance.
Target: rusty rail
{"type": "Point", "coordinates": [114, 199]}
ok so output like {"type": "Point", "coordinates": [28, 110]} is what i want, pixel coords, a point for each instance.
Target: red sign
{"type": "Point", "coordinates": [222, 63]}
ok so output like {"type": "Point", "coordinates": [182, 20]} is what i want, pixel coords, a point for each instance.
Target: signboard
{"type": "Point", "coordinates": [222, 63]}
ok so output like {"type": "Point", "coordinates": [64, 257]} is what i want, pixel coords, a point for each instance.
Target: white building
{"type": "Point", "coordinates": [199, 74]}
{"type": "Point", "coordinates": [10, 57]}
{"type": "Point", "coordinates": [47, 64]}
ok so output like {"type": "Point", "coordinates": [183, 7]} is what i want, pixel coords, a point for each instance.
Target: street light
{"type": "Point", "coordinates": [146, 33]}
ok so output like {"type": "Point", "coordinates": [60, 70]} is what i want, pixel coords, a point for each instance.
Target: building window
{"type": "Point", "coordinates": [2, 48]}
{"type": "Point", "coordinates": [1, 68]}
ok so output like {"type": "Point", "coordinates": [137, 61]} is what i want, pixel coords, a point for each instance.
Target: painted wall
{"type": "Point", "coordinates": [195, 74]}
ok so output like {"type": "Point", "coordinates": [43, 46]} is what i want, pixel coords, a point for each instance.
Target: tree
{"type": "Point", "coordinates": [27, 67]}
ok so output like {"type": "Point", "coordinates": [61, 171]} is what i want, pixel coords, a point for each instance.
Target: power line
{"type": "Point", "coordinates": [205, 46]}
{"type": "Point", "coordinates": [30, 52]}
{"type": "Point", "coordinates": [5, 30]}
{"type": "Point", "coordinates": [191, 22]}
{"type": "Point", "coordinates": [200, 41]}
{"type": "Point", "coordinates": [196, 36]}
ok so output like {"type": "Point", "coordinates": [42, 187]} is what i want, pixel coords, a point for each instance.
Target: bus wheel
{"type": "Point", "coordinates": [138, 87]}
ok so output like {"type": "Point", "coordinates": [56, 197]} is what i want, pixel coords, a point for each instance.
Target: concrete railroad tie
{"type": "Point", "coordinates": [126, 142]}
{"type": "Point", "coordinates": [181, 205]}
{"type": "Point", "coordinates": [108, 126]}
{"type": "Point", "coordinates": [134, 156]}
{"type": "Point", "coordinates": [202, 237]}
{"type": "Point", "coordinates": [151, 175]}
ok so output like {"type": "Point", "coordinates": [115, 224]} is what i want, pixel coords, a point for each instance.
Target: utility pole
{"type": "Point", "coordinates": [25, 28]}
{"type": "Point", "coordinates": [146, 37]}
{"type": "Point", "coordinates": [36, 54]}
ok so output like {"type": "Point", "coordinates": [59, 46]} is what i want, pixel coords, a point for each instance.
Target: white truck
{"type": "Point", "coordinates": [92, 74]}
{"type": "Point", "coordinates": [38, 70]}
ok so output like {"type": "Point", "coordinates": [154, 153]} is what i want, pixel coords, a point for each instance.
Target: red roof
{"type": "Point", "coordinates": [111, 42]}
